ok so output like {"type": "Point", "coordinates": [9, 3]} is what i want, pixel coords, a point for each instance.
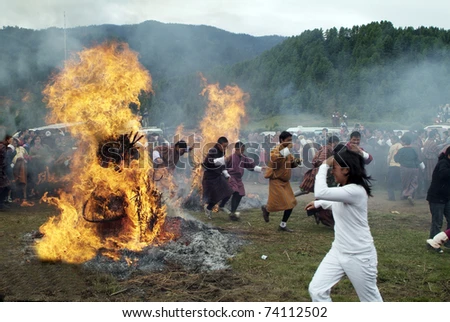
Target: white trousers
{"type": "Point", "coordinates": [361, 269]}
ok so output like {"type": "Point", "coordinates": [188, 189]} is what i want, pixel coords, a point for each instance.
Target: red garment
{"type": "Point", "coordinates": [235, 166]}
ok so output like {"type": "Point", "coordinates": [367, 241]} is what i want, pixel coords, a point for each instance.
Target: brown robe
{"type": "Point", "coordinates": [281, 196]}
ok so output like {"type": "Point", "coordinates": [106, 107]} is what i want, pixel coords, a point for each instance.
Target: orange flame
{"type": "Point", "coordinates": [223, 115]}
{"type": "Point", "coordinates": [107, 208]}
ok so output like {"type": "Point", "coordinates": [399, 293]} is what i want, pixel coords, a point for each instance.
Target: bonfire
{"type": "Point", "coordinates": [112, 204]}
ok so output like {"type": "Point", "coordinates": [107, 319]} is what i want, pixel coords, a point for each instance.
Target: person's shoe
{"type": "Point", "coordinates": [411, 201]}
{"type": "Point", "coordinates": [208, 213]}
{"type": "Point", "coordinates": [437, 250]}
{"type": "Point", "coordinates": [438, 240]}
{"type": "Point", "coordinates": [225, 210]}
{"type": "Point", "coordinates": [285, 229]}
{"type": "Point", "coordinates": [233, 217]}
{"type": "Point", "coordinates": [265, 213]}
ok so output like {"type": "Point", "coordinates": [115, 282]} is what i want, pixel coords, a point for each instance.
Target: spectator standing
{"type": "Point", "coordinates": [393, 175]}
{"type": "Point", "coordinates": [409, 168]}
{"type": "Point", "coordinates": [438, 195]}
{"type": "Point", "coordinates": [4, 180]}
{"type": "Point", "coordinates": [430, 158]}
{"type": "Point", "coordinates": [20, 172]}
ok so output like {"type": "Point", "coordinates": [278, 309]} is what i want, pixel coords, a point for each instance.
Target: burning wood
{"type": "Point", "coordinates": [112, 203]}
{"type": "Point", "coordinates": [119, 152]}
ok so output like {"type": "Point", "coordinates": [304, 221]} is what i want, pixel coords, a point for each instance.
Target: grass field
{"type": "Point", "coordinates": [407, 270]}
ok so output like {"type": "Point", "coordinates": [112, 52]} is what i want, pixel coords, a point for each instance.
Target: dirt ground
{"type": "Point", "coordinates": [25, 278]}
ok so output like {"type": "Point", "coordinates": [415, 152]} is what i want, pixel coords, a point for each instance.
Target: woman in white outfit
{"type": "Point", "coordinates": [353, 252]}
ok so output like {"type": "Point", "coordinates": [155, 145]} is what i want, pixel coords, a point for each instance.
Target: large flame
{"type": "Point", "coordinates": [109, 207]}
{"type": "Point", "coordinates": [225, 110]}
{"type": "Point", "coordinates": [223, 116]}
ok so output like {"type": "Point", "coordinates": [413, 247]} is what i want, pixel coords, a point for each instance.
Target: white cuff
{"type": "Point", "coordinates": [155, 155]}
{"type": "Point", "coordinates": [303, 142]}
{"type": "Point", "coordinates": [365, 155]}
{"type": "Point", "coordinates": [422, 166]}
{"type": "Point", "coordinates": [257, 168]}
{"type": "Point", "coordinates": [285, 152]}
{"type": "Point", "coordinates": [219, 161]}
{"type": "Point", "coordinates": [225, 174]}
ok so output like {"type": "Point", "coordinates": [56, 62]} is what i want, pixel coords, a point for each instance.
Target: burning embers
{"type": "Point", "coordinates": [112, 204]}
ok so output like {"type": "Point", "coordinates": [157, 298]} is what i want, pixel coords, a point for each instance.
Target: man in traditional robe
{"type": "Point", "coordinates": [165, 159]}
{"type": "Point", "coordinates": [236, 164]}
{"type": "Point", "coordinates": [215, 178]}
{"type": "Point", "coordinates": [354, 145]}
{"type": "Point", "coordinates": [281, 196]}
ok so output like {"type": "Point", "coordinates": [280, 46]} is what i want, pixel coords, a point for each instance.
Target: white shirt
{"type": "Point", "coordinates": [349, 205]}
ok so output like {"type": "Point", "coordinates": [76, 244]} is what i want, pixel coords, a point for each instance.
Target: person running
{"type": "Point", "coordinates": [215, 178]}
{"type": "Point", "coordinates": [236, 164]}
{"type": "Point", "coordinates": [324, 216]}
{"type": "Point", "coordinates": [281, 196]}
{"type": "Point", "coordinates": [353, 251]}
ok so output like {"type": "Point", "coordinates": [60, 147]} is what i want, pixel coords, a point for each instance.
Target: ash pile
{"type": "Point", "coordinates": [198, 248]}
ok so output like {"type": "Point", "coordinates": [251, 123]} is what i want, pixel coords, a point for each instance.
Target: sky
{"type": "Point", "coordinates": [257, 18]}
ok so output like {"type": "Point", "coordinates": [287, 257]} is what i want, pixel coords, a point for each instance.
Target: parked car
{"type": "Point", "coordinates": [438, 127]}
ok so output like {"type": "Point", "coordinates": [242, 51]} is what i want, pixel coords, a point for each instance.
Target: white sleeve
{"type": "Point", "coordinates": [285, 152]}
{"type": "Point", "coordinates": [365, 155]}
{"type": "Point", "coordinates": [323, 203]}
{"type": "Point", "coordinates": [155, 155]}
{"type": "Point", "coordinates": [257, 168]}
{"type": "Point", "coordinates": [219, 161]}
{"type": "Point", "coordinates": [225, 174]}
{"type": "Point", "coordinates": [339, 194]}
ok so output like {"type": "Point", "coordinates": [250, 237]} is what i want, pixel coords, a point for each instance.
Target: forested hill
{"type": "Point", "coordinates": [28, 57]}
{"type": "Point", "coordinates": [372, 72]}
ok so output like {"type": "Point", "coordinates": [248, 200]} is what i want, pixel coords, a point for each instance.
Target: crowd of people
{"type": "Point", "coordinates": [335, 168]}
{"type": "Point", "coordinates": [30, 162]}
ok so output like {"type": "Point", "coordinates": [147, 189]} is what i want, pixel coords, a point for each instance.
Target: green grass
{"type": "Point", "coordinates": [407, 270]}
{"type": "Point", "coordinates": [282, 122]}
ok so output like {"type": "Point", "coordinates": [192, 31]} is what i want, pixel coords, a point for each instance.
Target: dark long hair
{"type": "Point", "coordinates": [444, 154]}
{"type": "Point", "coordinates": [355, 163]}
